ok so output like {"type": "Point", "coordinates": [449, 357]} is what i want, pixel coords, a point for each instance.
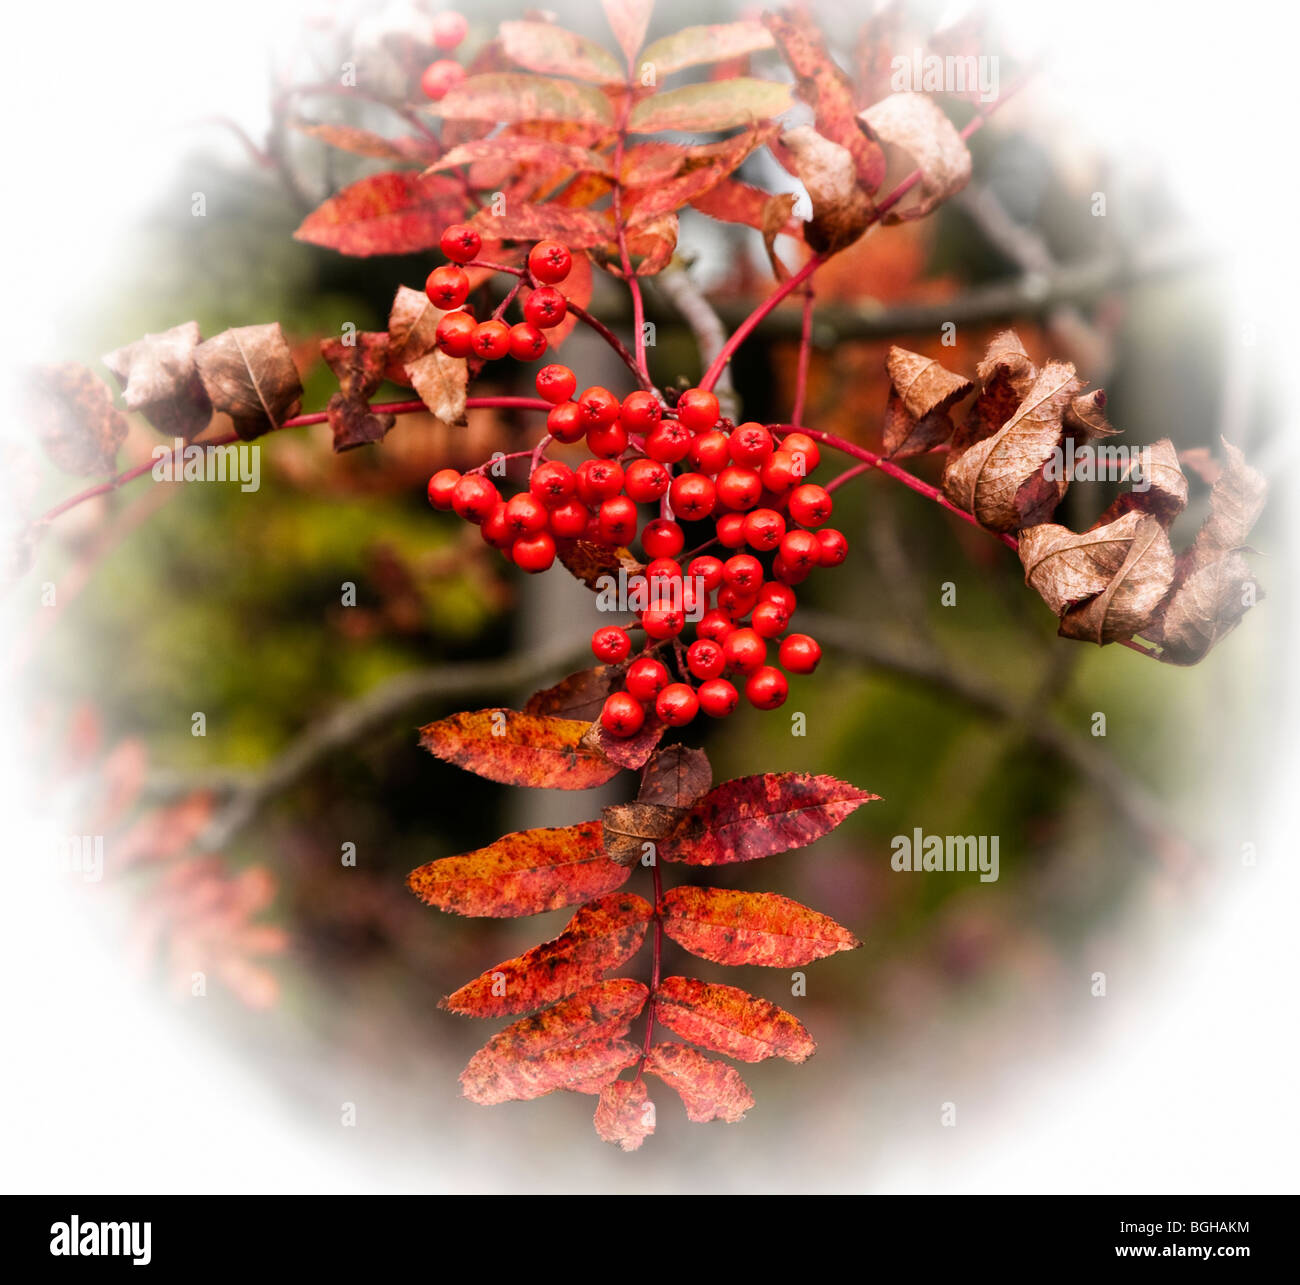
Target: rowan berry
{"type": "Point", "coordinates": [750, 444]}
{"type": "Point", "coordinates": [441, 486]}
{"type": "Point", "coordinates": [555, 383]}
{"type": "Point", "coordinates": [440, 78]}
{"type": "Point", "coordinates": [527, 343]}
{"type": "Point", "coordinates": [668, 442]}
{"type": "Point", "coordinates": [743, 571]}
{"type": "Point", "coordinates": [610, 644]}
{"type": "Point", "coordinates": [708, 569]}
{"type": "Point", "coordinates": [698, 410]}
{"type": "Point", "coordinates": [646, 678]}
{"type": "Point", "coordinates": [449, 29]}
{"type": "Point", "coordinates": [474, 497]}
{"type": "Point", "coordinates": [705, 658]}
{"type": "Point", "coordinates": [491, 340]}
{"type": "Point", "coordinates": [455, 334]}
{"type": "Point", "coordinates": [569, 520]}
{"type": "Point", "coordinates": [738, 487]}
{"type": "Point", "coordinates": [662, 538]}
{"type": "Point", "coordinates": [645, 480]}
{"type": "Point", "coordinates": [710, 452]}
{"type": "Point", "coordinates": [805, 451]}
{"type": "Point", "coordinates": [534, 553]}
{"type": "Point", "coordinates": [662, 622]}
{"type": "Point", "coordinates": [545, 307]}
{"type": "Point", "coordinates": [598, 406]}
{"type": "Point", "coordinates": [763, 529]}
{"type": "Point", "coordinates": [745, 650]}
{"type": "Point", "coordinates": [564, 422]}
{"type": "Point", "coordinates": [460, 243]}
{"type": "Point", "coordinates": [834, 547]}
{"type": "Point", "coordinates": [607, 440]}
{"type": "Point", "coordinates": [692, 496]}
{"type": "Point", "coordinates": [677, 704]}
{"type": "Point", "coordinates": [552, 482]}
{"type": "Point", "coordinates": [810, 504]}
{"type": "Point", "coordinates": [729, 530]}
{"type": "Point", "coordinates": [447, 287]}
{"type": "Point", "coordinates": [550, 261]}
{"type": "Point", "coordinates": [617, 517]}
{"type": "Point", "coordinates": [718, 698]}
{"type": "Point", "coordinates": [621, 715]}
{"type": "Point", "coordinates": [799, 653]}
{"type": "Point", "coordinates": [598, 480]}
{"type": "Point", "coordinates": [640, 411]}
{"type": "Point", "coordinates": [715, 625]}
{"type": "Point", "coordinates": [800, 549]}
{"type": "Point", "coordinates": [766, 687]}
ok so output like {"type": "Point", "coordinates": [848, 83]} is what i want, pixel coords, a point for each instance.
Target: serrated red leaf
{"type": "Point", "coordinates": [764, 928]}
{"type": "Point", "coordinates": [630, 752]}
{"type": "Point", "coordinates": [518, 96]}
{"type": "Point", "coordinates": [579, 695]}
{"type": "Point", "coordinates": [829, 92]}
{"type": "Point", "coordinates": [728, 1020]}
{"type": "Point", "coordinates": [605, 933]}
{"type": "Point", "coordinates": [519, 749]}
{"type": "Point", "coordinates": [711, 105]}
{"type": "Point", "coordinates": [520, 1063]}
{"type": "Point", "coordinates": [362, 142]}
{"type": "Point", "coordinates": [698, 171]}
{"type": "Point", "coordinates": [584, 1068]}
{"type": "Point", "coordinates": [515, 151]}
{"type": "Point", "coordinates": [578, 229]}
{"type": "Point", "coordinates": [521, 874]}
{"type": "Point", "coordinates": [709, 1090]}
{"type": "Point", "coordinates": [547, 48]}
{"type": "Point", "coordinates": [756, 816]}
{"type": "Point", "coordinates": [628, 20]}
{"type": "Point", "coordinates": [715, 42]}
{"type": "Point", "coordinates": [398, 212]}
{"type": "Point", "coordinates": [625, 1114]}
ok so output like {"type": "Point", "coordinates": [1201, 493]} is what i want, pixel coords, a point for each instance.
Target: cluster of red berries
{"type": "Point", "coordinates": [460, 334]}
{"type": "Point", "coordinates": [696, 467]}
{"type": "Point", "coordinates": [442, 76]}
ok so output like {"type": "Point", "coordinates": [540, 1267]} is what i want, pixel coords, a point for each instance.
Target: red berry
{"type": "Point", "coordinates": [449, 29]}
{"type": "Point", "coordinates": [692, 496]}
{"type": "Point", "coordinates": [545, 307]}
{"type": "Point", "coordinates": [618, 518]}
{"type": "Point", "coordinates": [677, 704]}
{"type": "Point", "coordinates": [455, 334]}
{"type": "Point", "coordinates": [610, 644]}
{"type": "Point", "coordinates": [527, 343]}
{"type": "Point", "coordinates": [555, 383]}
{"type": "Point", "coordinates": [767, 688]}
{"type": "Point", "coordinates": [534, 553]}
{"type": "Point", "coordinates": [552, 482]}
{"type": "Point", "coordinates": [739, 487]}
{"type": "Point", "coordinates": [598, 406]}
{"type": "Point", "coordinates": [779, 593]}
{"type": "Point", "coordinates": [743, 571]}
{"type": "Point", "coordinates": [779, 472]}
{"type": "Point", "coordinates": [646, 678]}
{"type": "Point", "coordinates": [662, 538]}
{"type": "Point", "coordinates": [786, 574]}
{"type": "Point", "coordinates": [495, 529]}
{"type": "Point", "coordinates": [810, 504]}
{"type": "Point", "coordinates": [718, 697]}
{"type": "Point", "coordinates": [833, 546]}
{"type": "Point", "coordinates": [599, 480]}
{"type": "Point", "coordinates": [447, 287]}
{"type": "Point", "coordinates": [745, 650]}
{"type": "Point", "coordinates": [806, 451]}
{"type": "Point", "coordinates": [569, 520]}
{"type": "Point", "coordinates": [800, 549]}
{"type": "Point", "coordinates": [621, 715]}
{"type": "Point", "coordinates": [645, 480]}
{"type": "Point", "coordinates": [440, 78]}
{"type": "Point", "coordinates": [769, 619]}
{"type": "Point", "coordinates": [441, 486]}
{"type": "Point", "coordinates": [698, 410]}
{"type": "Point", "coordinates": [640, 411]}
{"type": "Point", "coordinates": [763, 529]}
{"type": "Point", "coordinates": [730, 530]}
{"type": "Point", "coordinates": [710, 452]}
{"type": "Point", "coordinates": [668, 442]}
{"type": "Point", "coordinates": [564, 422]}
{"type": "Point", "coordinates": [705, 658]}
{"type": "Point", "coordinates": [525, 514]}
{"type": "Point", "coordinates": [550, 261]}
{"type": "Point", "coordinates": [736, 603]}
{"type": "Point", "coordinates": [707, 569]}
{"type": "Point", "coordinates": [662, 622]}
{"type": "Point", "coordinates": [750, 444]}
{"type": "Point", "coordinates": [607, 440]}
{"type": "Point", "coordinates": [662, 571]}
{"type": "Point", "coordinates": [474, 497]}
{"type": "Point", "coordinates": [715, 625]}
{"type": "Point", "coordinates": [799, 653]}
{"type": "Point", "coordinates": [491, 340]}
{"type": "Point", "coordinates": [460, 243]}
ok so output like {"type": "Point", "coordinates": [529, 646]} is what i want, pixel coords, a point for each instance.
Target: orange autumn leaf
{"type": "Point", "coordinates": [731, 927]}
{"type": "Point", "coordinates": [519, 749]}
{"type": "Point", "coordinates": [531, 1057]}
{"type": "Point", "coordinates": [709, 1090]}
{"type": "Point", "coordinates": [521, 874]}
{"type": "Point", "coordinates": [625, 1114]}
{"type": "Point", "coordinates": [602, 935]}
{"type": "Point", "coordinates": [756, 816]}
{"type": "Point", "coordinates": [728, 1020]}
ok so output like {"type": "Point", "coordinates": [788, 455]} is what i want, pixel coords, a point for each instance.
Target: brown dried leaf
{"type": "Point", "coordinates": [628, 827]}
{"type": "Point", "coordinates": [74, 417]}
{"type": "Point", "coordinates": [841, 210]}
{"type": "Point", "coordinates": [159, 380]}
{"type": "Point", "coordinates": [580, 695]}
{"type": "Point", "coordinates": [354, 424]}
{"type": "Point", "coordinates": [587, 561]}
{"type": "Point", "coordinates": [1006, 375]}
{"type": "Point", "coordinates": [923, 392]}
{"type": "Point", "coordinates": [914, 125]}
{"type": "Point", "coordinates": [1164, 486]}
{"type": "Point", "coordinates": [442, 382]}
{"type": "Point", "coordinates": [676, 777]}
{"type": "Point", "coordinates": [1086, 417]}
{"type": "Point", "coordinates": [249, 374]}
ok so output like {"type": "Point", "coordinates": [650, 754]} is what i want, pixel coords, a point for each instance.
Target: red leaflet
{"type": "Point", "coordinates": [829, 92]}
{"type": "Point", "coordinates": [399, 212]}
{"type": "Point", "coordinates": [628, 20]}
{"type": "Point", "coordinates": [755, 816]}
{"type": "Point", "coordinates": [564, 1047]}
{"type": "Point", "coordinates": [544, 47]}
{"type": "Point", "coordinates": [631, 751]}
{"type": "Point", "coordinates": [625, 1114]}
{"type": "Point", "coordinates": [521, 874]}
{"type": "Point", "coordinates": [750, 927]}
{"type": "Point", "coordinates": [602, 935]}
{"type": "Point", "coordinates": [579, 695]}
{"type": "Point", "coordinates": [709, 1090]}
{"type": "Point", "coordinates": [519, 749]}
{"type": "Point", "coordinates": [727, 1020]}
{"type": "Point", "coordinates": [361, 142]}
{"type": "Point", "coordinates": [578, 229]}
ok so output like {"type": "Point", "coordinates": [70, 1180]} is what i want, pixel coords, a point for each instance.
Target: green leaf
{"type": "Point", "coordinates": [716, 42]}
{"type": "Point", "coordinates": [714, 105]}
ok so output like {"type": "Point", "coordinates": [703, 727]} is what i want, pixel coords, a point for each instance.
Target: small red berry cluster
{"type": "Point", "coordinates": [460, 335]}
{"type": "Point", "coordinates": [697, 467]}
{"type": "Point", "coordinates": [442, 76]}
